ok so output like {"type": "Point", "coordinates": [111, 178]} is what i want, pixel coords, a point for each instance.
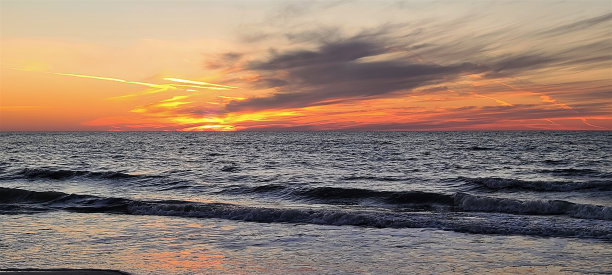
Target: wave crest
{"type": "Point", "coordinates": [342, 195]}
{"type": "Point", "coordinates": [455, 221]}
{"type": "Point", "coordinates": [501, 183]}
{"type": "Point", "coordinates": [467, 202]}
{"type": "Point", "coordinates": [61, 174]}
{"type": "Point", "coordinates": [393, 197]}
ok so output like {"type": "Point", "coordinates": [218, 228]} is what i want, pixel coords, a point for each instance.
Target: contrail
{"type": "Point", "coordinates": [158, 88]}
{"type": "Point", "coordinates": [197, 82]}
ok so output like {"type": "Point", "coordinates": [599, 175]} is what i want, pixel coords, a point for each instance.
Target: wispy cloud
{"type": "Point", "coordinates": [392, 61]}
{"type": "Point", "coordinates": [402, 65]}
{"type": "Point", "coordinates": [335, 72]}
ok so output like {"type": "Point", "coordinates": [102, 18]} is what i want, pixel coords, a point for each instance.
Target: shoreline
{"type": "Point", "coordinates": [61, 271]}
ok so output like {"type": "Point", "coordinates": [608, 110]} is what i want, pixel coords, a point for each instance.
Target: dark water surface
{"type": "Point", "coordinates": [308, 202]}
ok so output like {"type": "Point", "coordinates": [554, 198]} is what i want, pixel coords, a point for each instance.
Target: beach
{"type": "Point", "coordinates": [61, 272]}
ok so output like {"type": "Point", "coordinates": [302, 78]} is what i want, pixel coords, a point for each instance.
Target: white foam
{"type": "Point", "coordinates": [467, 202]}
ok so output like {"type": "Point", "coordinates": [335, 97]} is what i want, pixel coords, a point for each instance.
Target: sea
{"type": "Point", "coordinates": [464, 202]}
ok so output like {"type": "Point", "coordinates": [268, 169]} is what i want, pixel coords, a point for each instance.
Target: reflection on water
{"type": "Point", "coordinates": [172, 245]}
{"type": "Point", "coordinates": [182, 261]}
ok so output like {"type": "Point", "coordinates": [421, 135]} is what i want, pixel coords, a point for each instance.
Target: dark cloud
{"type": "Point", "coordinates": [322, 84]}
{"type": "Point", "coordinates": [596, 54]}
{"type": "Point", "coordinates": [433, 90]}
{"type": "Point", "coordinates": [515, 64]}
{"type": "Point", "coordinates": [270, 83]}
{"type": "Point", "coordinates": [578, 25]}
{"type": "Point", "coordinates": [341, 52]}
{"type": "Point", "coordinates": [335, 73]}
{"type": "Point", "coordinates": [400, 58]}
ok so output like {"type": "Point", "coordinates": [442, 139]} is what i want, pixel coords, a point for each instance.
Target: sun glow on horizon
{"type": "Point", "coordinates": [490, 72]}
{"type": "Point", "coordinates": [171, 112]}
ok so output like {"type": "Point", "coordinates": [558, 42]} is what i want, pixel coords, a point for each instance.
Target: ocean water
{"type": "Point", "coordinates": [308, 202]}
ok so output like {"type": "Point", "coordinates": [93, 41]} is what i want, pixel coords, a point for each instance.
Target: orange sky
{"type": "Point", "coordinates": [297, 65]}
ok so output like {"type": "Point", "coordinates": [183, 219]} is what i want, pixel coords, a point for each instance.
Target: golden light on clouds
{"type": "Point", "coordinates": [198, 83]}
{"type": "Point", "coordinates": [490, 72]}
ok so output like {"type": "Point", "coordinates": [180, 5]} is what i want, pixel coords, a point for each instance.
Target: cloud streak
{"type": "Point", "coordinates": [335, 72]}
{"type": "Point", "coordinates": [326, 65]}
{"type": "Point", "coordinates": [390, 61]}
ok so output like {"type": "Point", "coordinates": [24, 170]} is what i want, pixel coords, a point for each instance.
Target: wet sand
{"type": "Point", "coordinates": [61, 272]}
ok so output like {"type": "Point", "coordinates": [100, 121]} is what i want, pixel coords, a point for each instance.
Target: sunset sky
{"type": "Point", "coordinates": [305, 65]}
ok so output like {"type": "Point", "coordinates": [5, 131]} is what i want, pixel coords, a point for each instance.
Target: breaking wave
{"type": "Point", "coordinates": [417, 200]}
{"type": "Point", "coordinates": [341, 195]}
{"type": "Point", "coordinates": [593, 222]}
{"type": "Point", "coordinates": [501, 183]}
{"type": "Point", "coordinates": [467, 202]}
{"type": "Point", "coordinates": [393, 197]}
